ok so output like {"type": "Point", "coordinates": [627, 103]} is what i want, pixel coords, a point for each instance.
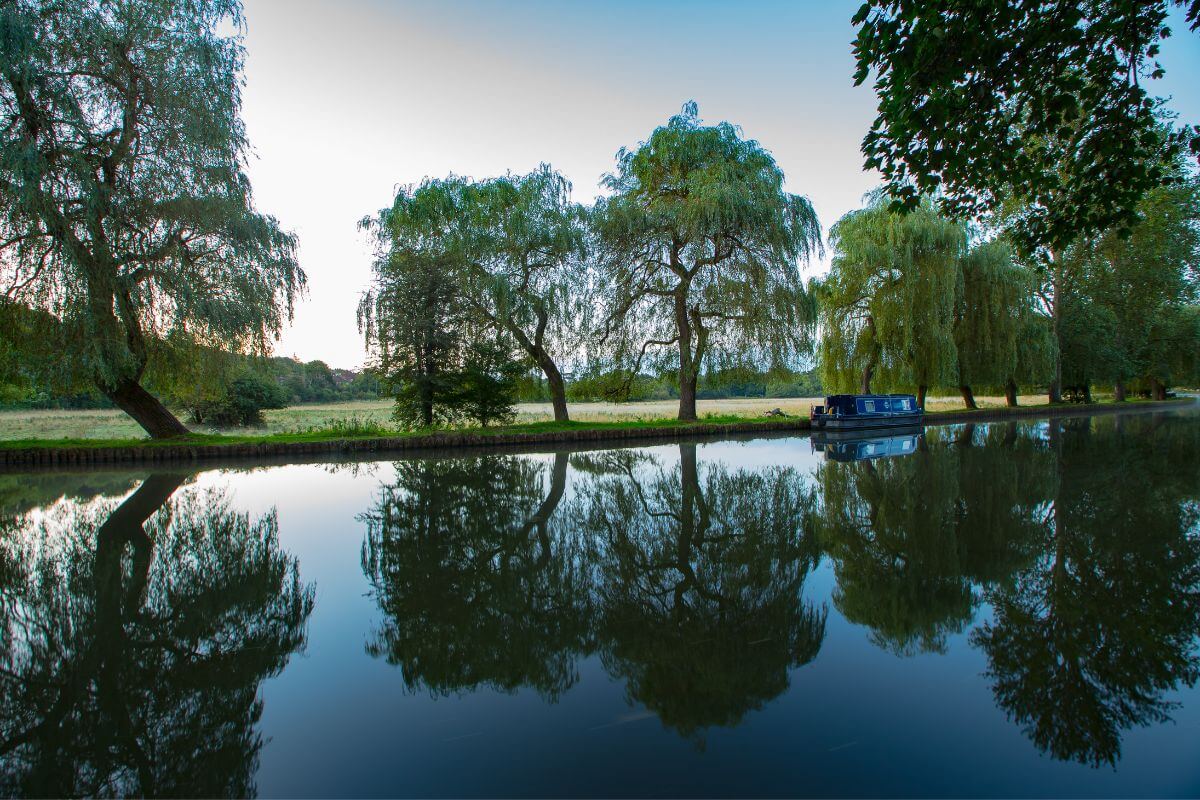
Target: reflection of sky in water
{"type": "Point", "coordinates": [857, 720]}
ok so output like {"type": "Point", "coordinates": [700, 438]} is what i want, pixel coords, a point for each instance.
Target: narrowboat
{"type": "Point", "coordinates": [856, 412]}
{"type": "Point", "coordinates": [840, 446]}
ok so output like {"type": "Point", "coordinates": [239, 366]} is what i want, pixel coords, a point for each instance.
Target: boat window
{"type": "Point", "coordinates": [869, 406]}
{"type": "Point", "coordinates": [902, 404]}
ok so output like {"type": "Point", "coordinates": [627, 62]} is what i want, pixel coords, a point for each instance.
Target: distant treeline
{"type": "Point", "coordinates": [208, 374]}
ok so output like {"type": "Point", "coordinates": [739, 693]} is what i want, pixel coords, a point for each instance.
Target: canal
{"type": "Point", "coordinates": [1010, 608]}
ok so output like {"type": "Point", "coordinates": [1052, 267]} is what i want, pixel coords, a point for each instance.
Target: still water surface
{"type": "Point", "coordinates": [1000, 609]}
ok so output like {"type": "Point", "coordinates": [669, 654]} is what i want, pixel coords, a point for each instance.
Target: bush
{"type": "Point", "coordinates": [242, 404]}
{"type": "Point", "coordinates": [488, 391]}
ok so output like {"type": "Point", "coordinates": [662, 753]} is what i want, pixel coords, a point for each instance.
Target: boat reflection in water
{"type": "Point", "coordinates": [859, 446]}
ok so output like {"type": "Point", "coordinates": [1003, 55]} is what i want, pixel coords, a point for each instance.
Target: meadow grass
{"type": "Point", "coordinates": [373, 418]}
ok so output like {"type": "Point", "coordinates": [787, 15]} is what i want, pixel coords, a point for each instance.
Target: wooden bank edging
{"type": "Point", "coordinates": [167, 454]}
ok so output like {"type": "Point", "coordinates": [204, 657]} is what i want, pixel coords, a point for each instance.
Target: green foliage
{"type": "Point", "coordinates": [525, 267]}
{"type": "Point", "coordinates": [352, 426]}
{"type": "Point", "coordinates": [998, 333]}
{"type": "Point", "coordinates": [488, 383]}
{"type": "Point", "coordinates": [700, 248]}
{"type": "Point", "coordinates": [1045, 103]}
{"type": "Point", "coordinates": [125, 211]}
{"type": "Point", "coordinates": [504, 254]}
{"type": "Point", "coordinates": [887, 306]}
{"type": "Point", "coordinates": [1130, 308]}
{"type": "Point", "coordinates": [427, 339]}
{"type": "Point", "coordinates": [242, 403]}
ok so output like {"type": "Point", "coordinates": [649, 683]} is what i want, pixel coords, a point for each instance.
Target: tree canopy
{"type": "Point", "coordinates": [887, 304]}
{"type": "Point", "coordinates": [421, 319]}
{"type": "Point", "coordinates": [1131, 314]}
{"type": "Point", "coordinates": [701, 250]}
{"type": "Point", "coordinates": [1047, 103]}
{"type": "Point", "coordinates": [125, 210]}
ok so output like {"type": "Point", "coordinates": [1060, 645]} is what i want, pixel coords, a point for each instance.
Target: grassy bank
{"type": "Point", "coordinates": [113, 425]}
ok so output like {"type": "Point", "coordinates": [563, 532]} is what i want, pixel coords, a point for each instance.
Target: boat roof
{"type": "Point", "coordinates": [867, 396]}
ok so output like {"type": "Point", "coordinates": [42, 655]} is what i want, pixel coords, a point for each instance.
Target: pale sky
{"type": "Point", "coordinates": [345, 101]}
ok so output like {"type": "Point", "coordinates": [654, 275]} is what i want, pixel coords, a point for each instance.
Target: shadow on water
{"type": "Point", "coordinates": [1065, 553]}
{"type": "Point", "coordinates": [135, 638]}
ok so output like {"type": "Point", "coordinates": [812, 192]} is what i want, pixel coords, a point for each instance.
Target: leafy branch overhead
{"type": "Point", "coordinates": [1045, 104]}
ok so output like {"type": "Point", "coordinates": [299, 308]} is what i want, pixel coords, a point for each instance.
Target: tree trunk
{"type": "Point", "coordinates": [921, 390]}
{"type": "Point", "coordinates": [1055, 393]}
{"type": "Point", "coordinates": [1158, 389]}
{"type": "Point", "coordinates": [558, 389]}
{"type": "Point", "coordinates": [537, 351]}
{"type": "Point", "coordinates": [867, 373]}
{"type": "Point", "coordinates": [145, 408]}
{"type": "Point", "coordinates": [1010, 393]}
{"type": "Point", "coordinates": [968, 396]}
{"type": "Point", "coordinates": [687, 369]}
{"type": "Point", "coordinates": [1119, 391]}
{"type": "Point", "coordinates": [687, 395]}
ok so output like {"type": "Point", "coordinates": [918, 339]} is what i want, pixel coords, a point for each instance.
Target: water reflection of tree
{"type": "Point", "coordinates": [911, 538]}
{"type": "Point", "coordinates": [131, 658]}
{"type": "Point", "coordinates": [1088, 638]}
{"type": "Point", "coordinates": [478, 586]}
{"type": "Point", "coordinates": [698, 584]}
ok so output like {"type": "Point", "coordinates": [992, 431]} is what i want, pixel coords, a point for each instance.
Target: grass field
{"type": "Point", "coordinates": [106, 424]}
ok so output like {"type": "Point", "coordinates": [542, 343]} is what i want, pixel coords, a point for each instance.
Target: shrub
{"type": "Point", "coordinates": [242, 403]}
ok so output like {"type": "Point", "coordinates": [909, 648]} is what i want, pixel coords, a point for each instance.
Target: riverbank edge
{"type": "Point", "coordinates": [19, 457]}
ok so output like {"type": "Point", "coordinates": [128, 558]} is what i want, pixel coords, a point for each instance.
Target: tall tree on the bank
{"type": "Point", "coordinates": [887, 305]}
{"type": "Point", "coordinates": [701, 246]}
{"type": "Point", "coordinates": [423, 332]}
{"type": "Point", "coordinates": [989, 319]}
{"type": "Point", "coordinates": [524, 271]}
{"type": "Point", "coordinates": [986, 101]}
{"type": "Point", "coordinates": [1145, 283]}
{"type": "Point", "coordinates": [124, 207]}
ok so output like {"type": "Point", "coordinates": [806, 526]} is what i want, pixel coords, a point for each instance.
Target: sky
{"type": "Point", "coordinates": [347, 100]}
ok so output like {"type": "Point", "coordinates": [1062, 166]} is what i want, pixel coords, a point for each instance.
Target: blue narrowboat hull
{"type": "Point", "coordinates": [864, 422]}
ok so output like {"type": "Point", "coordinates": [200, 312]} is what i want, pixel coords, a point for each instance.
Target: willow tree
{"type": "Point", "coordinates": [988, 322]}
{"type": "Point", "coordinates": [701, 249]}
{"type": "Point", "coordinates": [124, 206]}
{"type": "Point", "coordinates": [887, 305]}
{"type": "Point", "coordinates": [525, 273]}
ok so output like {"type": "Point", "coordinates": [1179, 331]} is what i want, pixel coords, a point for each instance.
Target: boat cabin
{"type": "Point", "coordinates": [851, 404]}
{"type": "Point", "coordinates": [860, 411]}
